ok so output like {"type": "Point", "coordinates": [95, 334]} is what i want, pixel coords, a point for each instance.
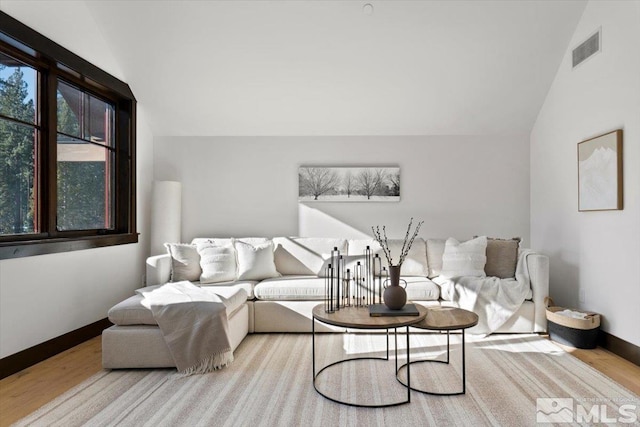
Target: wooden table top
{"type": "Point", "coordinates": [447, 318]}
{"type": "Point", "coordinates": [359, 318]}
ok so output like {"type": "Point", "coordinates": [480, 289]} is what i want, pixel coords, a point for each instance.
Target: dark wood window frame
{"type": "Point", "coordinates": [54, 62]}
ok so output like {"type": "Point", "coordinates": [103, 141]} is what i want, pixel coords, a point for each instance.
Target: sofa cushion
{"type": "Point", "coordinates": [132, 312]}
{"type": "Point", "coordinates": [415, 264]}
{"type": "Point", "coordinates": [502, 257]}
{"type": "Point", "coordinates": [435, 250]}
{"type": "Point", "coordinates": [287, 288]}
{"type": "Point", "coordinates": [305, 255]}
{"type": "Point", "coordinates": [464, 259]}
{"type": "Point", "coordinates": [421, 289]}
{"type": "Point", "coordinates": [185, 262]}
{"type": "Point", "coordinates": [247, 285]}
{"type": "Point", "coordinates": [417, 288]}
{"type": "Point", "coordinates": [218, 263]}
{"type": "Point", "coordinates": [255, 262]}
{"type": "Point", "coordinates": [310, 288]}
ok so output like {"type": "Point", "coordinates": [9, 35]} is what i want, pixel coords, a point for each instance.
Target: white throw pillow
{"type": "Point", "coordinates": [305, 255]}
{"type": "Point", "coordinates": [228, 241]}
{"type": "Point", "coordinates": [435, 251]}
{"type": "Point", "coordinates": [464, 259]}
{"type": "Point", "coordinates": [185, 262]}
{"type": "Point", "coordinates": [218, 263]}
{"type": "Point", "coordinates": [255, 262]}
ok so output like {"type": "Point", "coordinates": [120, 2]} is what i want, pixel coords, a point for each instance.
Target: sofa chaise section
{"type": "Point", "coordinates": [135, 340]}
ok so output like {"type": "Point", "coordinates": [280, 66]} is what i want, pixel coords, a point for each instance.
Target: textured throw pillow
{"type": "Point", "coordinates": [255, 262]}
{"type": "Point", "coordinates": [464, 259]}
{"type": "Point", "coordinates": [218, 263]}
{"type": "Point", "coordinates": [435, 251]}
{"type": "Point", "coordinates": [305, 255]}
{"type": "Point", "coordinates": [502, 257]}
{"type": "Point", "coordinates": [185, 262]}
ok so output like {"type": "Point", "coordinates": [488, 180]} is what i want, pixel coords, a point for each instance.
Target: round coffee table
{"type": "Point", "coordinates": [443, 319]}
{"type": "Point", "coordinates": [359, 318]}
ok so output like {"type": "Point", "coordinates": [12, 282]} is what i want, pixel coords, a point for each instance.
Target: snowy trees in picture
{"type": "Point", "coordinates": [600, 173]}
{"type": "Point", "coordinates": [348, 184]}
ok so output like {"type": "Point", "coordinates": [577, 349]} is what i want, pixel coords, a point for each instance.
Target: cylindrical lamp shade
{"type": "Point", "coordinates": [166, 209]}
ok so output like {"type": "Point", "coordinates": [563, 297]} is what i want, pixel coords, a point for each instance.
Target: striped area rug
{"type": "Point", "coordinates": [270, 384]}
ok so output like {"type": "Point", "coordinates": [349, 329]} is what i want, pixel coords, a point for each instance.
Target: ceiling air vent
{"type": "Point", "coordinates": [586, 49]}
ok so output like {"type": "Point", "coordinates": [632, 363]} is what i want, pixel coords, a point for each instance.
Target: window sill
{"type": "Point", "coordinates": [52, 246]}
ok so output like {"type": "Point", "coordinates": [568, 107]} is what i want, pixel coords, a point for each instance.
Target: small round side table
{"type": "Point", "coordinates": [359, 318]}
{"type": "Point", "coordinates": [443, 319]}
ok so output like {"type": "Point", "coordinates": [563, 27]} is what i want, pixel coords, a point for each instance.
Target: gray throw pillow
{"type": "Point", "coordinates": [502, 257]}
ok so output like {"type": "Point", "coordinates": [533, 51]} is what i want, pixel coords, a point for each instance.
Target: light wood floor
{"type": "Point", "coordinates": [26, 391]}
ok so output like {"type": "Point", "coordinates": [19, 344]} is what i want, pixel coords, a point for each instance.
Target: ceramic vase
{"type": "Point", "coordinates": [395, 297]}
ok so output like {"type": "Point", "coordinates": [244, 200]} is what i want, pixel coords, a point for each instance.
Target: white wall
{"type": "Point", "coordinates": [594, 253]}
{"type": "Point", "coordinates": [43, 297]}
{"type": "Point", "coordinates": [460, 185]}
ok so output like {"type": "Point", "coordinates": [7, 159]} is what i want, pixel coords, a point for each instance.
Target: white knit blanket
{"type": "Point", "coordinates": [194, 324]}
{"type": "Point", "coordinates": [494, 300]}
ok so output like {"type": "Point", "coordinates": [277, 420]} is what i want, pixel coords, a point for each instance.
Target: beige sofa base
{"type": "Point", "coordinates": [287, 316]}
{"type": "Point", "coordinates": [142, 346]}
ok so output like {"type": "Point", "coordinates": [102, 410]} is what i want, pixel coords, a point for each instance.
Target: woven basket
{"type": "Point", "coordinates": [579, 333]}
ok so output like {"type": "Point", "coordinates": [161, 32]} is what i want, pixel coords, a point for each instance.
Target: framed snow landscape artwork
{"type": "Point", "coordinates": [600, 173]}
{"type": "Point", "coordinates": [348, 184]}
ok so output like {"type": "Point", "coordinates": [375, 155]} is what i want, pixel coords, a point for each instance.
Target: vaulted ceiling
{"type": "Point", "coordinates": [330, 68]}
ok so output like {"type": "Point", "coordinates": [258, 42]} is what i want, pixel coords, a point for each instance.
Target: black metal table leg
{"type": "Point", "coordinates": [464, 380]}
{"type": "Point", "coordinates": [384, 405]}
{"type": "Point", "coordinates": [313, 347]}
{"type": "Point", "coordinates": [409, 363]}
{"type": "Point", "coordinates": [360, 318]}
{"type": "Point", "coordinates": [408, 368]}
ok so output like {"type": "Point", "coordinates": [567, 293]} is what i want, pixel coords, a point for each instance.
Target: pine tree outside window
{"type": "Point", "coordinates": [67, 149]}
{"type": "Point", "coordinates": [19, 132]}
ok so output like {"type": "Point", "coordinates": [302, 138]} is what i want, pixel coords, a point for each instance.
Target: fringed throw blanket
{"type": "Point", "coordinates": [194, 324]}
{"type": "Point", "coordinates": [493, 300]}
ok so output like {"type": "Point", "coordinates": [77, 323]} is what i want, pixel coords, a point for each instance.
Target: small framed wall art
{"type": "Point", "coordinates": [600, 173]}
{"type": "Point", "coordinates": [348, 184]}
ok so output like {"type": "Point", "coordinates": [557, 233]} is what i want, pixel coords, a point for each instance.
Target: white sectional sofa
{"type": "Point", "coordinates": [284, 303]}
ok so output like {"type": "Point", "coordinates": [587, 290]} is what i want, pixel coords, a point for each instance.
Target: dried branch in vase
{"type": "Point", "coordinates": [382, 240]}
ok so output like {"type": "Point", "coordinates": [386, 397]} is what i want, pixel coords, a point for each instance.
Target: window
{"type": "Point", "coordinates": [85, 154]}
{"type": "Point", "coordinates": [67, 149]}
{"type": "Point", "coordinates": [19, 131]}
